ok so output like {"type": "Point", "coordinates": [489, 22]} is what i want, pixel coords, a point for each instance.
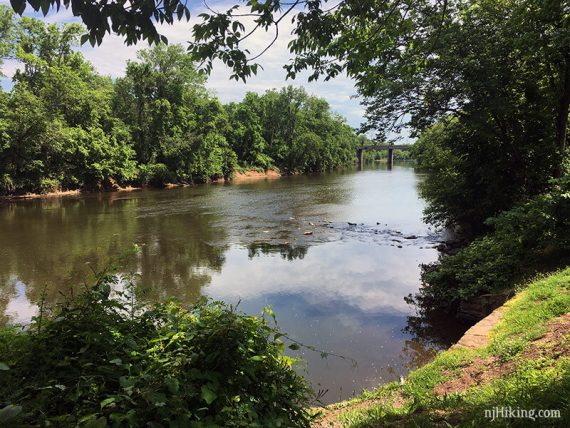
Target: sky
{"type": "Point", "coordinates": [111, 56]}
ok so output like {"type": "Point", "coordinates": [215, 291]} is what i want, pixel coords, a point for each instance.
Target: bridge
{"type": "Point", "coordinates": [390, 147]}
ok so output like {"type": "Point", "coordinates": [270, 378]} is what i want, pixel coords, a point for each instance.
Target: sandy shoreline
{"type": "Point", "coordinates": [270, 174]}
{"type": "Point", "coordinates": [239, 177]}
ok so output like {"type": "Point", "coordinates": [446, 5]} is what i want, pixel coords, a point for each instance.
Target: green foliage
{"type": "Point", "coordinates": [133, 21]}
{"type": "Point", "coordinates": [155, 174]}
{"type": "Point", "coordinates": [93, 156]}
{"type": "Point", "coordinates": [290, 130]}
{"type": "Point", "coordinates": [531, 380]}
{"type": "Point", "coordinates": [63, 126]}
{"type": "Point", "coordinates": [57, 127]}
{"type": "Point", "coordinates": [524, 240]}
{"type": "Point", "coordinates": [101, 361]}
{"type": "Point", "coordinates": [465, 174]}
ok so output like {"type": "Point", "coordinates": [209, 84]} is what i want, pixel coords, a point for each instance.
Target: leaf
{"type": "Point", "coordinates": [97, 423]}
{"type": "Point", "coordinates": [127, 381]}
{"type": "Point", "coordinates": [18, 5]}
{"type": "Point", "coordinates": [4, 366]}
{"type": "Point", "coordinates": [208, 395]}
{"type": "Point", "coordinates": [172, 384]}
{"type": "Point", "coordinates": [107, 401]}
{"type": "Point", "coordinates": [294, 346]}
{"type": "Point", "coordinates": [45, 7]}
{"type": "Point", "coordinates": [9, 412]}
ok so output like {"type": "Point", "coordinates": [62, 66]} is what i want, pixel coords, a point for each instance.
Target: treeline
{"type": "Point", "coordinates": [64, 126]}
{"type": "Point", "coordinates": [493, 144]}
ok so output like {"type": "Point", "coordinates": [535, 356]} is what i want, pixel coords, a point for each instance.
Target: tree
{"type": "Point", "coordinates": [156, 96]}
{"type": "Point", "coordinates": [175, 124]}
{"type": "Point", "coordinates": [135, 20]}
{"type": "Point", "coordinates": [291, 130]}
{"type": "Point", "coordinates": [246, 131]}
{"type": "Point", "coordinates": [58, 130]}
{"type": "Point", "coordinates": [6, 32]}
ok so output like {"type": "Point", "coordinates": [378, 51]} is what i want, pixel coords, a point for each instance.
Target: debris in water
{"type": "Point", "coordinates": [309, 232]}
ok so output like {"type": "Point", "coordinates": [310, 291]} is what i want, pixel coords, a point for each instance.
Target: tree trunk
{"type": "Point", "coordinates": [562, 118]}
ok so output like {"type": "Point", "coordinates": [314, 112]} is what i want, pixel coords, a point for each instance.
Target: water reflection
{"type": "Point", "coordinates": [287, 252]}
{"type": "Point", "coordinates": [287, 243]}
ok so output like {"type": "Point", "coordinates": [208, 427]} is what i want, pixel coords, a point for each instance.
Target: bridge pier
{"type": "Point", "coordinates": [390, 158]}
{"type": "Point", "coordinates": [360, 156]}
{"type": "Point", "coordinates": [389, 147]}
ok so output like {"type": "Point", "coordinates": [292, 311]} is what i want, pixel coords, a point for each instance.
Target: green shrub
{"type": "Point", "coordinates": [526, 239]}
{"type": "Point", "coordinates": [7, 185]}
{"type": "Point", "coordinates": [48, 185]}
{"type": "Point", "coordinates": [156, 174]}
{"type": "Point", "coordinates": [101, 362]}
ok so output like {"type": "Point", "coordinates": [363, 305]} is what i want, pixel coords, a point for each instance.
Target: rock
{"type": "Point", "coordinates": [377, 223]}
{"type": "Point", "coordinates": [309, 232]}
{"type": "Point", "coordinates": [351, 224]}
{"type": "Point", "coordinates": [399, 246]}
{"type": "Point", "coordinates": [411, 237]}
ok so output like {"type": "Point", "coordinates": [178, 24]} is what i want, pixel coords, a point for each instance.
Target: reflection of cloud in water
{"type": "Point", "coordinates": [367, 277]}
{"type": "Point", "coordinates": [19, 309]}
{"type": "Point", "coordinates": [374, 340]}
{"type": "Point", "coordinates": [343, 297]}
{"type": "Point", "coordinates": [340, 288]}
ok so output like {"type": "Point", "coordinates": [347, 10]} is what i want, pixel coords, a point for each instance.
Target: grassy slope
{"type": "Point", "coordinates": [526, 365]}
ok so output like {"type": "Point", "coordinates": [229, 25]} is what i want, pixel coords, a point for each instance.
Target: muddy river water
{"type": "Point", "coordinates": [334, 255]}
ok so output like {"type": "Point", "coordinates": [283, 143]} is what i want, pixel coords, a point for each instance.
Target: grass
{"type": "Point", "coordinates": [525, 365]}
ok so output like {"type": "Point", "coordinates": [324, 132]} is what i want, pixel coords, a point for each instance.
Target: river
{"type": "Point", "coordinates": [334, 255]}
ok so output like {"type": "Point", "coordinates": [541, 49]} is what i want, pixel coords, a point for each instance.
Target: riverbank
{"type": "Point", "coordinates": [239, 177]}
{"type": "Point", "coordinates": [518, 357]}
{"type": "Point", "coordinates": [252, 175]}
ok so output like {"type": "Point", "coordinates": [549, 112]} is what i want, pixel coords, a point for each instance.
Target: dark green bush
{"type": "Point", "coordinates": [101, 362]}
{"type": "Point", "coordinates": [156, 174]}
{"type": "Point", "coordinates": [526, 239]}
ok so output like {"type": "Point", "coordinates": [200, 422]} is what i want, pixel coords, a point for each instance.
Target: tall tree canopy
{"type": "Point", "coordinates": [492, 77]}
{"type": "Point", "coordinates": [64, 126]}
{"type": "Point", "coordinates": [412, 58]}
